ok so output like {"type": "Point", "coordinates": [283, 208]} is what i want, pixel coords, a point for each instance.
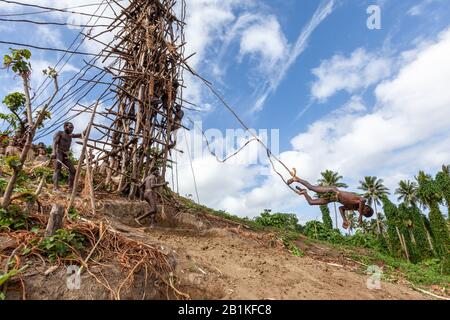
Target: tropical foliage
{"type": "Point", "coordinates": [331, 178]}
{"type": "Point", "coordinates": [374, 190]}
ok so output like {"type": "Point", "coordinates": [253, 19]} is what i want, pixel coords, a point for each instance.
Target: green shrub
{"type": "Point", "coordinates": [43, 172]}
{"type": "Point", "coordinates": [13, 219]}
{"type": "Point", "coordinates": [326, 217]}
{"type": "Point", "coordinates": [318, 231]}
{"type": "Point", "coordinates": [284, 221]}
{"type": "Point", "coordinates": [13, 162]}
{"type": "Point", "coordinates": [293, 249]}
{"type": "Point", "coordinates": [363, 240]}
{"type": "Point", "coordinates": [3, 184]}
{"type": "Point", "coordinates": [60, 245]}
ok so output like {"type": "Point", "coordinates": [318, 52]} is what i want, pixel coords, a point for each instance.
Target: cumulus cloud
{"type": "Point", "coordinates": [358, 71]}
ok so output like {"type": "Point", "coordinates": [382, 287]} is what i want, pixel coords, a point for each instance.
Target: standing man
{"type": "Point", "coordinates": [148, 187]}
{"type": "Point", "coordinates": [62, 141]}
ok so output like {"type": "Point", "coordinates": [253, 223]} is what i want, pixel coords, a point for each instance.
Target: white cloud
{"type": "Point", "coordinates": [322, 12]}
{"type": "Point", "coordinates": [265, 39]}
{"type": "Point", "coordinates": [358, 71]}
{"type": "Point", "coordinates": [418, 9]}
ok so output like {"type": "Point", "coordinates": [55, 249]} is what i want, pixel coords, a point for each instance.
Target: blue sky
{"type": "Point", "coordinates": [359, 101]}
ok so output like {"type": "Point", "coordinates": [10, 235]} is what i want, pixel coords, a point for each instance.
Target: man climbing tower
{"type": "Point", "coordinates": [62, 141]}
{"type": "Point", "coordinates": [350, 201]}
{"type": "Point", "coordinates": [148, 188]}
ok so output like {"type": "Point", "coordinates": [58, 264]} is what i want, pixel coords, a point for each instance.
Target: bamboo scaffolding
{"type": "Point", "coordinates": [148, 77]}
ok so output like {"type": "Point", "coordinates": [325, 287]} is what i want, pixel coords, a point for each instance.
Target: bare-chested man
{"type": "Point", "coordinates": [179, 115]}
{"type": "Point", "coordinates": [11, 149]}
{"type": "Point", "coordinates": [350, 201]}
{"type": "Point", "coordinates": [150, 183]}
{"type": "Point", "coordinates": [62, 141]}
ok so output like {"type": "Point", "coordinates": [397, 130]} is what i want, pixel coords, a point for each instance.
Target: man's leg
{"type": "Point", "coordinates": [150, 198]}
{"type": "Point", "coordinates": [317, 189]}
{"type": "Point", "coordinates": [57, 173]}
{"type": "Point", "coordinates": [72, 171]}
{"type": "Point", "coordinates": [314, 202]}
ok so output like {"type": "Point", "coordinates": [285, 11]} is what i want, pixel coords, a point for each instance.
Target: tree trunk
{"type": "Point", "coordinates": [55, 220]}
{"type": "Point", "coordinates": [402, 243]}
{"type": "Point", "coordinates": [82, 156]}
{"type": "Point", "coordinates": [26, 86]}
{"type": "Point", "coordinates": [376, 216]}
{"type": "Point", "coordinates": [12, 181]}
{"type": "Point", "coordinates": [335, 215]}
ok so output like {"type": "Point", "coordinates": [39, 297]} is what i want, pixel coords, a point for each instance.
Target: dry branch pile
{"type": "Point", "coordinates": [102, 244]}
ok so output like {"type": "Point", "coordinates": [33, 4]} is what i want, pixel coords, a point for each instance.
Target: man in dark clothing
{"type": "Point", "coordinates": [62, 141]}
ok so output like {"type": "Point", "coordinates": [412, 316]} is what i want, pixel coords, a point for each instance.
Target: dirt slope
{"type": "Point", "coordinates": [230, 263]}
{"type": "Point", "coordinates": [215, 259]}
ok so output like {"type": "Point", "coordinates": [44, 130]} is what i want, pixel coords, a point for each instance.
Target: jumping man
{"type": "Point", "coordinates": [350, 201]}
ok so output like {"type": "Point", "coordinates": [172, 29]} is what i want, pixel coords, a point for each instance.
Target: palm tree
{"type": "Point", "coordinates": [407, 192]}
{"type": "Point", "coordinates": [443, 181]}
{"type": "Point", "coordinates": [446, 169]}
{"type": "Point", "coordinates": [374, 190]}
{"type": "Point", "coordinates": [353, 219]}
{"type": "Point", "coordinates": [332, 179]}
{"type": "Point", "coordinates": [424, 196]}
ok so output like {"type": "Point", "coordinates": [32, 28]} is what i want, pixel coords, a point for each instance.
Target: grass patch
{"type": "Point", "coordinates": [428, 272]}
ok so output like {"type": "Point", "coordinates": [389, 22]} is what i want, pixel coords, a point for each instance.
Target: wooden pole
{"type": "Point", "coordinates": [80, 161]}
{"type": "Point", "coordinates": [55, 220]}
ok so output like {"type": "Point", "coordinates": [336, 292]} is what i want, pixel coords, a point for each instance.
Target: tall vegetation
{"type": "Point", "coordinates": [326, 217]}
{"type": "Point", "coordinates": [443, 182]}
{"type": "Point", "coordinates": [431, 196]}
{"type": "Point", "coordinates": [332, 179]}
{"type": "Point", "coordinates": [374, 191]}
{"type": "Point", "coordinates": [407, 192]}
{"type": "Point", "coordinates": [16, 117]}
{"type": "Point", "coordinates": [18, 61]}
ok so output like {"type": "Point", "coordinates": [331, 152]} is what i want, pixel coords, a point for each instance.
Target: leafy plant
{"type": "Point", "coordinates": [278, 220]}
{"type": "Point", "coordinates": [43, 172]}
{"type": "Point", "coordinates": [13, 218]}
{"type": "Point", "coordinates": [60, 245]}
{"type": "Point", "coordinates": [293, 249]}
{"type": "Point", "coordinates": [326, 218]}
{"type": "Point", "coordinates": [9, 275]}
{"type": "Point", "coordinates": [3, 184]}
{"type": "Point", "coordinates": [17, 60]}
{"type": "Point", "coordinates": [15, 102]}
{"type": "Point", "coordinates": [13, 162]}
{"type": "Point", "coordinates": [73, 214]}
